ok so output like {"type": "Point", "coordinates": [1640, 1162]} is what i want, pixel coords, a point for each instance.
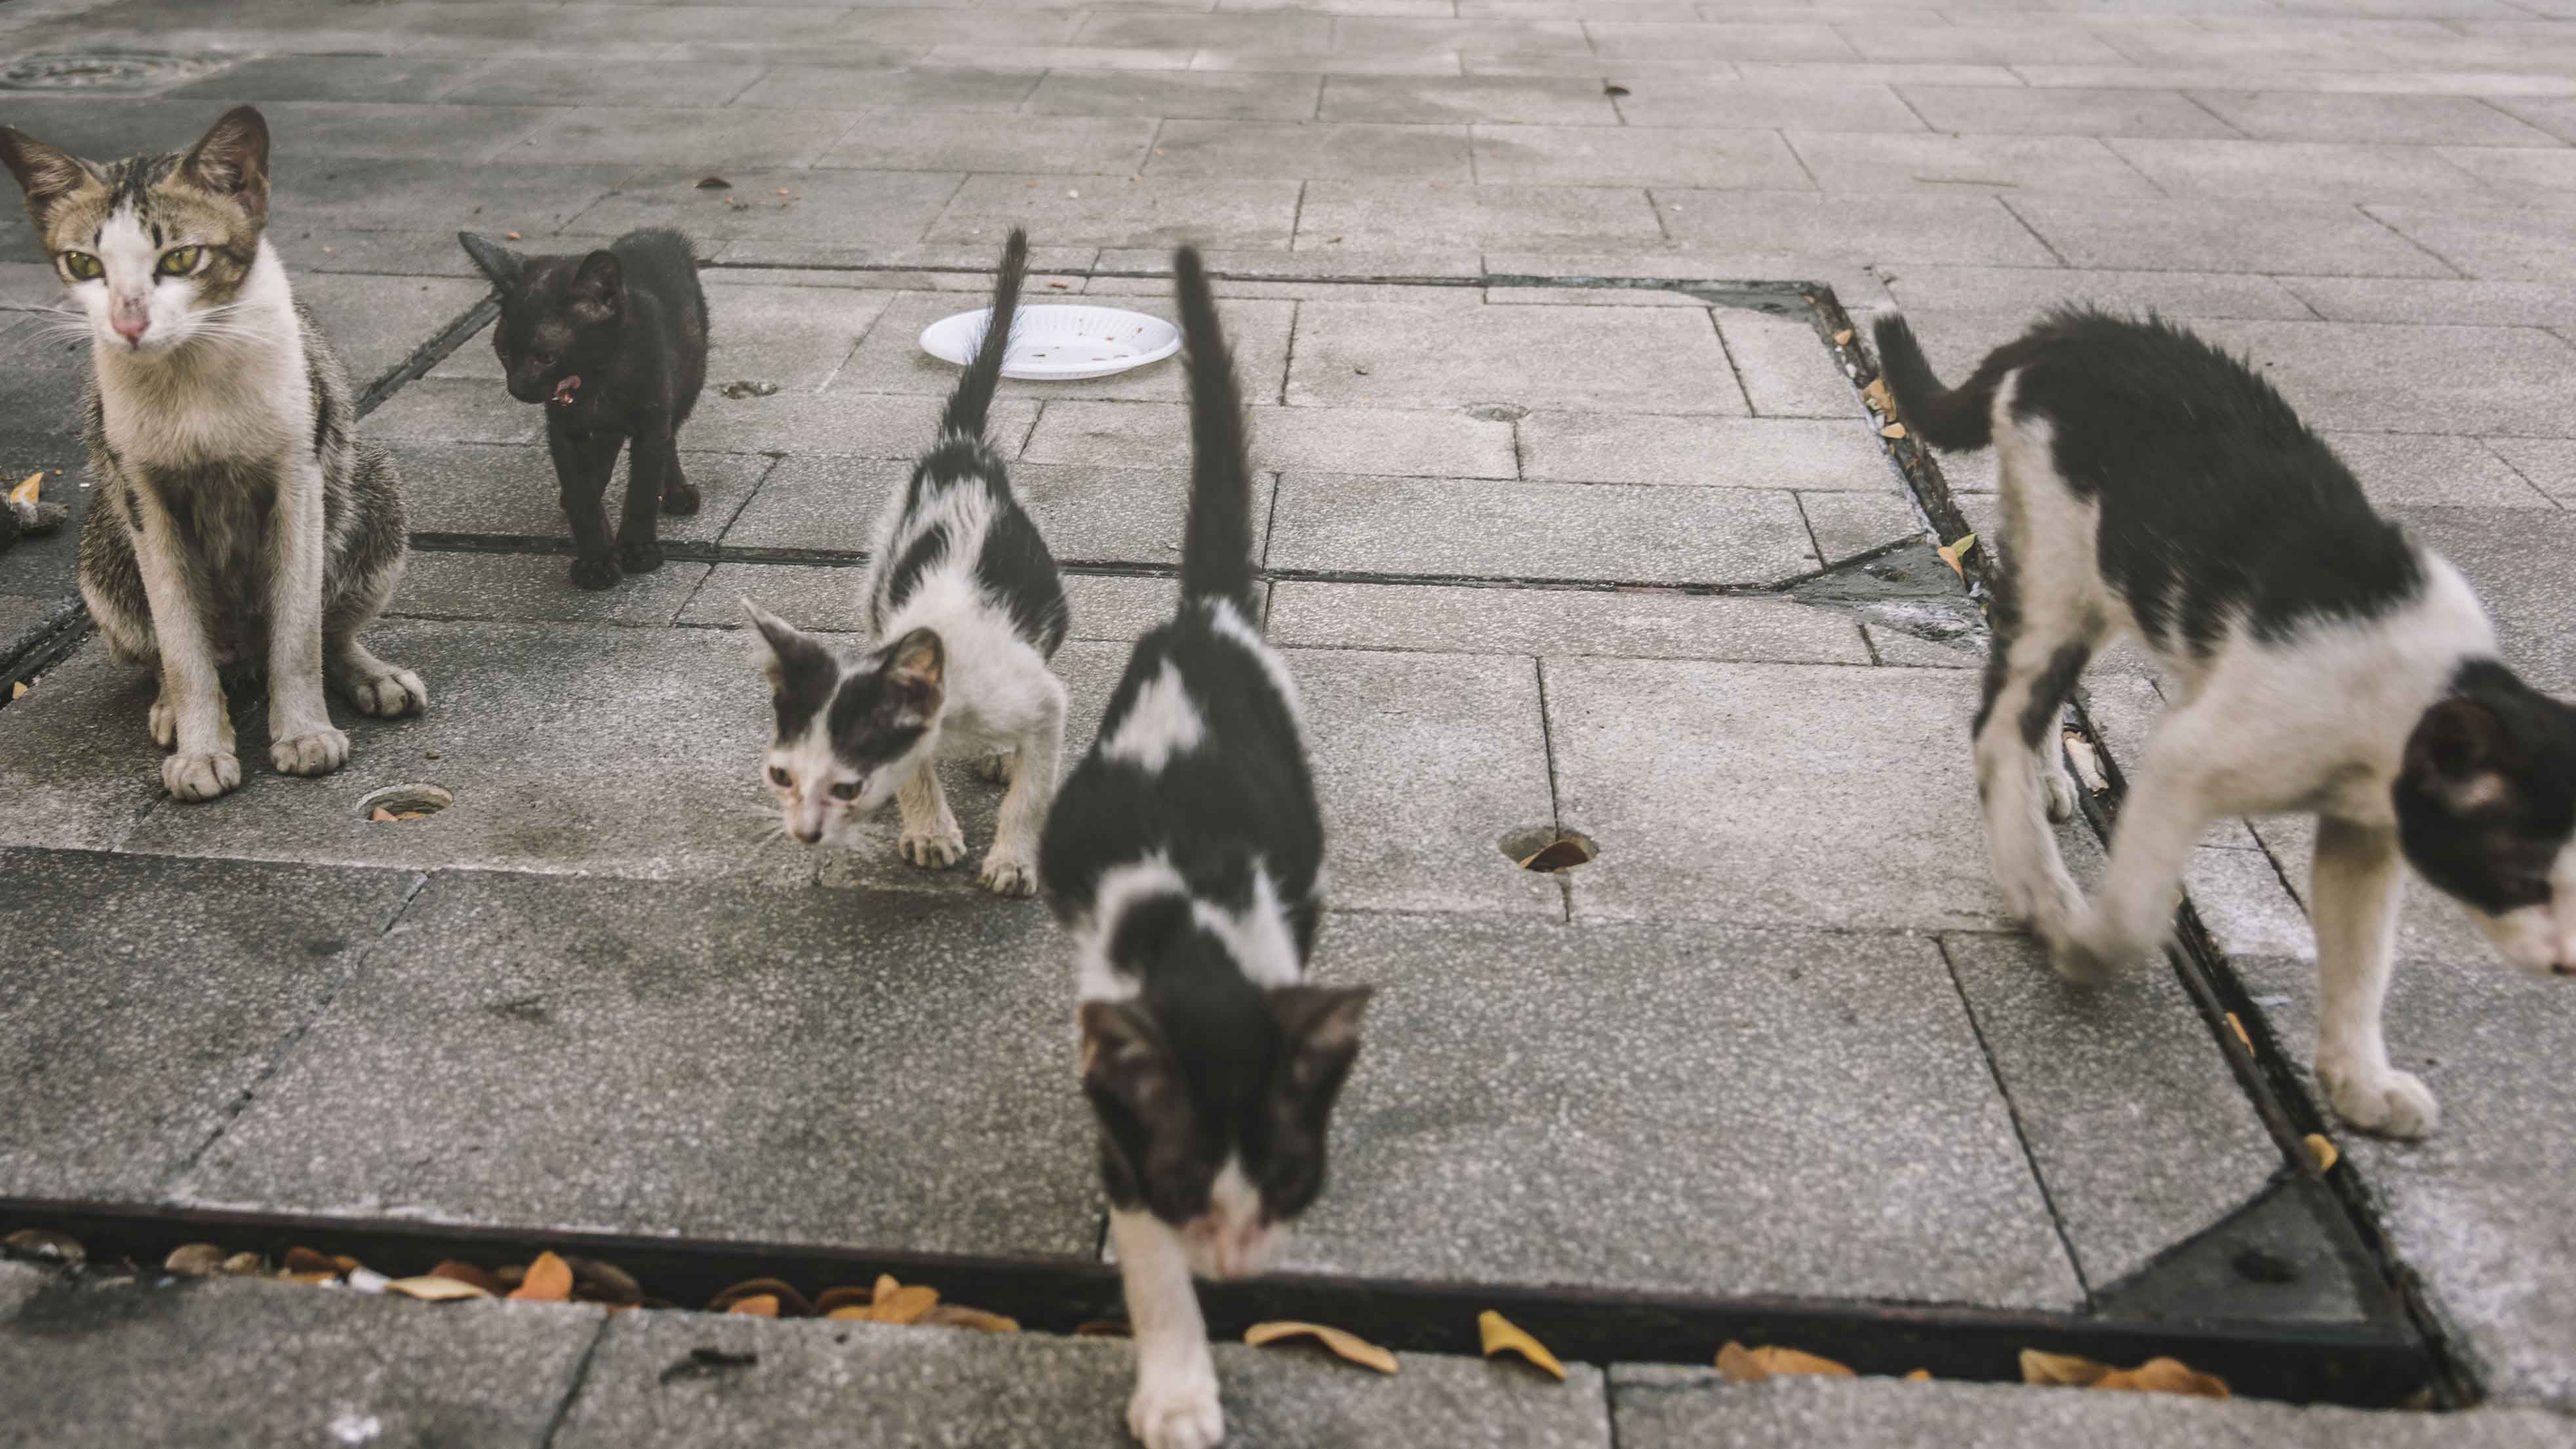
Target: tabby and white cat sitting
{"type": "Point", "coordinates": [965, 609]}
{"type": "Point", "coordinates": [2316, 658]}
{"type": "Point", "coordinates": [1185, 856]}
{"type": "Point", "coordinates": [238, 517]}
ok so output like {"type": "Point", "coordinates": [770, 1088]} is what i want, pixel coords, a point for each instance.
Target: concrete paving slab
{"type": "Point", "coordinates": [2548, 464]}
{"type": "Point", "coordinates": [332, 78]}
{"type": "Point", "coordinates": [1644, 1036]}
{"type": "Point", "coordinates": [1848, 524]}
{"type": "Point", "coordinates": [533, 587]}
{"type": "Point", "coordinates": [1798, 752]}
{"type": "Point", "coordinates": [1891, 227]}
{"type": "Point", "coordinates": [1525, 100]}
{"type": "Point", "coordinates": [2296, 170]}
{"type": "Point", "coordinates": [454, 410]}
{"type": "Point", "coordinates": [1981, 45]}
{"type": "Point", "coordinates": [95, 1364]}
{"type": "Point", "coordinates": [865, 425]}
{"type": "Point", "coordinates": [845, 208]}
{"type": "Point", "coordinates": [1348, 150]}
{"type": "Point", "coordinates": [931, 140]}
{"type": "Point", "coordinates": [2393, 299]}
{"type": "Point", "coordinates": [2436, 470]}
{"type": "Point", "coordinates": [1118, 212]}
{"type": "Point", "coordinates": [2124, 1102]}
{"type": "Point", "coordinates": [1609, 533]}
{"type": "Point", "coordinates": [715, 1060]}
{"type": "Point", "coordinates": [123, 1068]}
{"type": "Point", "coordinates": [2519, 242]}
{"type": "Point", "coordinates": [2024, 111]}
{"type": "Point", "coordinates": [1407, 216]}
{"type": "Point", "coordinates": [429, 196]}
{"type": "Point", "coordinates": [1629, 624]}
{"type": "Point", "coordinates": [1818, 104]}
{"type": "Point", "coordinates": [77, 760]}
{"type": "Point", "coordinates": [891, 359]}
{"type": "Point", "coordinates": [1476, 443]}
{"type": "Point", "coordinates": [2518, 563]}
{"type": "Point", "coordinates": [376, 324]}
{"type": "Point", "coordinates": [2552, 114]}
{"type": "Point", "coordinates": [1620, 155]}
{"type": "Point", "coordinates": [819, 597]}
{"type": "Point", "coordinates": [2412, 379]}
{"type": "Point", "coordinates": [2027, 291]}
{"type": "Point", "coordinates": [2401, 120]}
{"type": "Point", "coordinates": [1611, 359]}
{"type": "Point", "coordinates": [2189, 234]}
{"type": "Point", "coordinates": [1423, 763]}
{"type": "Point", "coordinates": [2516, 171]}
{"type": "Point", "coordinates": [846, 88]}
{"type": "Point", "coordinates": [1855, 161]}
{"type": "Point", "coordinates": [806, 1385]}
{"type": "Point", "coordinates": [1658, 1407]}
{"type": "Point", "coordinates": [1618, 39]}
{"type": "Point", "coordinates": [1784, 365]}
{"type": "Point", "coordinates": [45, 565]}
{"type": "Point", "coordinates": [1203, 95]}
{"type": "Point", "coordinates": [481, 488]}
{"type": "Point", "coordinates": [786, 336]}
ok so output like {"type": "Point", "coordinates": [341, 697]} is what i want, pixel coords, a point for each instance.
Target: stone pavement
{"type": "Point", "coordinates": [1549, 547]}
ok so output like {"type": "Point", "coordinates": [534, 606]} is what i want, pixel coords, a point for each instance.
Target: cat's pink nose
{"type": "Point", "coordinates": [132, 330]}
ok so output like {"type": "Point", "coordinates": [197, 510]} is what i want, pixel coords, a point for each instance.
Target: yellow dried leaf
{"type": "Point", "coordinates": [1919, 1376]}
{"type": "Point", "coordinates": [1876, 396]}
{"type": "Point", "coordinates": [28, 487]}
{"type": "Point", "coordinates": [2164, 1376]}
{"type": "Point", "coordinates": [308, 1279]}
{"type": "Point", "coordinates": [1349, 1345]}
{"type": "Point", "coordinates": [549, 1280]}
{"type": "Point", "coordinates": [431, 1288]}
{"type": "Point", "coordinates": [1500, 1333]}
{"type": "Point", "coordinates": [1951, 553]}
{"type": "Point", "coordinates": [906, 1305]}
{"type": "Point", "coordinates": [1843, 338]}
{"type": "Point", "coordinates": [193, 1260]}
{"type": "Point", "coordinates": [2059, 1368]}
{"type": "Point", "coordinates": [2239, 1028]}
{"type": "Point", "coordinates": [887, 1287]}
{"type": "Point", "coordinates": [380, 816]}
{"type": "Point", "coordinates": [1892, 430]}
{"type": "Point", "coordinates": [1752, 1365]}
{"type": "Point", "coordinates": [758, 1305]}
{"type": "Point", "coordinates": [2323, 1150]}
{"type": "Point", "coordinates": [18, 689]}
{"type": "Point", "coordinates": [853, 1312]}
{"type": "Point", "coordinates": [949, 1315]}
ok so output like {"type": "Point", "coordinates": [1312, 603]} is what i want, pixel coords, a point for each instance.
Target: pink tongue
{"type": "Point", "coordinates": [566, 388]}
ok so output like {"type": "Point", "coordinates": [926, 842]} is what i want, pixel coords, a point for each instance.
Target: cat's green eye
{"type": "Point", "coordinates": [179, 261]}
{"type": "Point", "coordinates": [846, 790]}
{"type": "Point", "coordinates": [779, 777]}
{"type": "Point", "coordinates": [83, 267]}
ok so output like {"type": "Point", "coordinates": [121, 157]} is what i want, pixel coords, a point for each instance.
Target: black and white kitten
{"type": "Point", "coordinates": [2316, 658]}
{"type": "Point", "coordinates": [1185, 857]}
{"type": "Point", "coordinates": [614, 344]}
{"type": "Point", "coordinates": [965, 609]}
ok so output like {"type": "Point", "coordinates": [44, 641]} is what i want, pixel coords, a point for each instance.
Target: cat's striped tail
{"type": "Point", "coordinates": [973, 399]}
{"type": "Point", "coordinates": [1948, 418]}
{"type": "Point", "coordinates": [1216, 548]}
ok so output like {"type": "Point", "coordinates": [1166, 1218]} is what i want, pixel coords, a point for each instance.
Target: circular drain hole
{"type": "Point", "coordinates": [1548, 849]}
{"type": "Point", "coordinates": [102, 71]}
{"type": "Point", "coordinates": [1498, 412]}
{"type": "Point", "coordinates": [403, 802]}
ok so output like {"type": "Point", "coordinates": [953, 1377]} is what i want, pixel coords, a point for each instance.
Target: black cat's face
{"type": "Point", "coordinates": [2486, 812]}
{"type": "Point", "coordinates": [1213, 1115]}
{"type": "Point", "coordinates": [560, 317]}
{"type": "Point", "coordinates": [844, 735]}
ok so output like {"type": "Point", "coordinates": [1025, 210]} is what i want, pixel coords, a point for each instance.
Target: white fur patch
{"type": "Point", "coordinates": [1162, 723]}
{"type": "Point", "coordinates": [1096, 978]}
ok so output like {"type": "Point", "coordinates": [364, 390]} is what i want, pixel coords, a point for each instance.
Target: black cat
{"type": "Point", "coordinates": [615, 345]}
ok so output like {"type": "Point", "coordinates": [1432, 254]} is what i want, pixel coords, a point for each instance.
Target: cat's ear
{"type": "Point", "coordinates": [2463, 753]}
{"type": "Point", "coordinates": [46, 173]}
{"type": "Point", "coordinates": [231, 159]}
{"type": "Point", "coordinates": [1319, 1028]}
{"type": "Point", "coordinates": [785, 652]}
{"type": "Point", "coordinates": [919, 663]}
{"type": "Point", "coordinates": [1125, 1060]}
{"type": "Point", "coordinates": [493, 260]}
{"type": "Point", "coordinates": [600, 282]}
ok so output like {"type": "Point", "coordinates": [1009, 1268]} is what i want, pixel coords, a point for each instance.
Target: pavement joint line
{"type": "Point", "coordinates": [574, 1381]}
{"type": "Point", "coordinates": [1555, 796]}
{"type": "Point", "coordinates": [2365, 1365]}
{"type": "Point", "coordinates": [429, 354]}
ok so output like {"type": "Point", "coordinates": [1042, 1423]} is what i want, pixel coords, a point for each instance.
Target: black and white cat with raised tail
{"type": "Point", "coordinates": [964, 611]}
{"type": "Point", "coordinates": [2315, 659]}
{"type": "Point", "coordinates": [1185, 856]}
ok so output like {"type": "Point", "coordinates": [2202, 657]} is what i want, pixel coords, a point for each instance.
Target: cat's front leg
{"type": "Point", "coordinates": [1011, 867]}
{"type": "Point", "coordinates": [648, 471]}
{"type": "Point", "coordinates": [931, 838]}
{"type": "Point", "coordinates": [302, 740]}
{"type": "Point", "coordinates": [2353, 896]}
{"type": "Point", "coordinates": [1175, 1405]}
{"type": "Point", "coordinates": [189, 717]}
{"type": "Point", "coordinates": [583, 462]}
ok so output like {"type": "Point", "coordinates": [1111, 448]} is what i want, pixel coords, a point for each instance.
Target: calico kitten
{"type": "Point", "coordinates": [614, 344]}
{"type": "Point", "coordinates": [2317, 660]}
{"type": "Point", "coordinates": [965, 610]}
{"type": "Point", "coordinates": [238, 518]}
{"type": "Point", "coordinates": [1185, 857]}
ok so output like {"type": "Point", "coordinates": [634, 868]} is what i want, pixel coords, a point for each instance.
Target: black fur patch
{"type": "Point", "coordinates": [2517, 771]}
{"type": "Point", "coordinates": [2048, 692]}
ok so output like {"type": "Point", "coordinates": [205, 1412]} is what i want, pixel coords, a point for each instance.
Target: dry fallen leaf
{"type": "Point", "coordinates": [431, 1288]}
{"type": "Point", "coordinates": [310, 1280]}
{"type": "Point", "coordinates": [1500, 1333]}
{"type": "Point", "coordinates": [1104, 1328]}
{"type": "Point", "coordinates": [2238, 1027]}
{"type": "Point", "coordinates": [718, 183]}
{"type": "Point", "coordinates": [193, 1260]}
{"type": "Point", "coordinates": [18, 689]}
{"type": "Point", "coordinates": [949, 1315]}
{"type": "Point", "coordinates": [471, 1276]}
{"type": "Point", "coordinates": [1892, 431]}
{"type": "Point", "coordinates": [1752, 1365]}
{"type": "Point", "coordinates": [380, 816]}
{"type": "Point", "coordinates": [1951, 553]}
{"type": "Point", "coordinates": [1876, 396]}
{"type": "Point", "coordinates": [1557, 855]}
{"type": "Point", "coordinates": [28, 487]}
{"type": "Point", "coordinates": [791, 1303]}
{"type": "Point", "coordinates": [549, 1280]}
{"type": "Point", "coordinates": [758, 1305]}
{"type": "Point", "coordinates": [244, 1265]}
{"type": "Point", "coordinates": [1919, 1376]}
{"type": "Point", "coordinates": [1350, 1346]}
{"type": "Point", "coordinates": [596, 1282]}
{"type": "Point", "coordinates": [2059, 1368]}
{"type": "Point", "coordinates": [510, 235]}
{"type": "Point", "coordinates": [2323, 1150]}
{"type": "Point", "coordinates": [1843, 338]}
{"type": "Point", "coordinates": [2164, 1376]}
{"type": "Point", "coordinates": [305, 1260]}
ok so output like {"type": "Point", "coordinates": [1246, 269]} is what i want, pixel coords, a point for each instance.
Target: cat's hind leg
{"type": "Point", "coordinates": [363, 578]}
{"type": "Point", "coordinates": [679, 495]}
{"type": "Point", "coordinates": [2029, 673]}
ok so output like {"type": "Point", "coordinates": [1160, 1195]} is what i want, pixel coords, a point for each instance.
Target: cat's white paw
{"type": "Point", "coordinates": [2081, 949]}
{"type": "Point", "coordinates": [200, 777]}
{"type": "Point", "coordinates": [2392, 1104]}
{"type": "Point", "coordinates": [996, 768]}
{"type": "Point", "coordinates": [165, 725]}
{"type": "Point", "coordinates": [933, 850]}
{"type": "Point", "coordinates": [1177, 1410]}
{"type": "Point", "coordinates": [314, 752]}
{"type": "Point", "coordinates": [2057, 789]}
{"type": "Point", "coordinates": [396, 692]}
{"type": "Point", "coordinates": [1009, 875]}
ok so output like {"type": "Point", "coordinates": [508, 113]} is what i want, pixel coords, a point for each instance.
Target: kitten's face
{"type": "Point", "coordinates": [2486, 812]}
{"type": "Point", "coordinates": [560, 317]}
{"type": "Point", "coordinates": [844, 736]}
{"type": "Point", "coordinates": [1214, 1112]}
{"type": "Point", "coordinates": [153, 248]}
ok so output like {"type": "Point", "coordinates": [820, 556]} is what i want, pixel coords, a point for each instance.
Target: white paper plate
{"type": "Point", "coordinates": [1059, 343]}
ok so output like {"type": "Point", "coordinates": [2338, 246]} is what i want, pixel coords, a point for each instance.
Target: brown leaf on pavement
{"type": "Point", "coordinates": [45, 1243]}
{"type": "Point", "coordinates": [1500, 1335]}
{"type": "Point", "coordinates": [758, 1305]}
{"type": "Point", "coordinates": [471, 1276]}
{"type": "Point", "coordinates": [305, 1260]}
{"type": "Point", "coordinates": [193, 1260]}
{"type": "Point", "coordinates": [549, 1280]}
{"type": "Point", "coordinates": [1349, 1345]}
{"type": "Point", "coordinates": [949, 1315]}
{"type": "Point", "coordinates": [2060, 1368]}
{"type": "Point", "coordinates": [2323, 1150]}
{"type": "Point", "coordinates": [28, 487]}
{"type": "Point", "coordinates": [791, 1304]}
{"type": "Point", "coordinates": [431, 1288]}
{"type": "Point", "coordinates": [1752, 1365]}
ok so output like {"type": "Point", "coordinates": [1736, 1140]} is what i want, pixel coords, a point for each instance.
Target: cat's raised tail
{"type": "Point", "coordinates": [973, 399]}
{"type": "Point", "coordinates": [1216, 547]}
{"type": "Point", "coordinates": [1948, 418]}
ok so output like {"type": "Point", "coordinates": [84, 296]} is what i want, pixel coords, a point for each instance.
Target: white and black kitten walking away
{"type": "Point", "coordinates": [2317, 659]}
{"type": "Point", "coordinates": [239, 518]}
{"type": "Point", "coordinates": [965, 608]}
{"type": "Point", "coordinates": [1184, 856]}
